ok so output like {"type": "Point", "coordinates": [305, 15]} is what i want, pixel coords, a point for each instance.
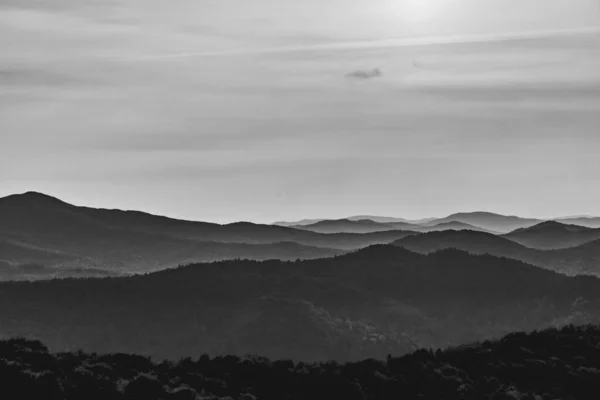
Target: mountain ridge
{"type": "Point", "coordinates": [553, 235]}
{"type": "Point", "coordinates": [581, 259]}
{"type": "Point", "coordinates": [353, 306]}
{"type": "Point", "coordinates": [131, 241]}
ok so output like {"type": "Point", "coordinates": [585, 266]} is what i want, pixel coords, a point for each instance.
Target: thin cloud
{"type": "Point", "coordinates": [406, 42]}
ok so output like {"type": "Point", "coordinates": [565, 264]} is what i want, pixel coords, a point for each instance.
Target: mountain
{"type": "Point", "coordinates": [37, 228]}
{"type": "Point", "coordinates": [374, 218]}
{"type": "Point", "coordinates": [486, 221]}
{"type": "Point", "coordinates": [297, 223]}
{"type": "Point", "coordinates": [34, 213]}
{"type": "Point", "coordinates": [583, 259]}
{"type": "Point", "coordinates": [358, 305]}
{"type": "Point", "coordinates": [553, 235]}
{"type": "Point", "coordinates": [19, 261]}
{"type": "Point", "coordinates": [384, 220]}
{"type": "Point", "coordinates": [355, 226]}
{"type": "Point", "coordinates": [471, 241]}
{"type": "Point", "coordinates": [489, 221]}
{"type": "Point", "coordinates": [587, 221]}
{"type": "Point", "coordinates": [451, 225]}
{"type": "Point", "coordinates": [369, 226]}
{"type": "Point", "coordinates": [117, 252]}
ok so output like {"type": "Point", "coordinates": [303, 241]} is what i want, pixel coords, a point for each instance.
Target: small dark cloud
{"type": "Point", "coordinates": [418, 64]}
{"type": "Point", "coordinates": [364, 74]}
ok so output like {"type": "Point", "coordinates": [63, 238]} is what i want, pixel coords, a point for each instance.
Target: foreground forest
{"type": "Point", "coordinates": [379, 300]}
{"type": "Point", "coordinates": [541, 365]}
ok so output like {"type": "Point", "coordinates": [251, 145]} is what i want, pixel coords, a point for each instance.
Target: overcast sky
{"type": "Point", "coordinates": [225, 110]}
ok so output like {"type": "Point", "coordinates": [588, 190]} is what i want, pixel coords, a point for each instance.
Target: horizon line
{"type": "Point", "coordinates": [382, 43]}
{"type": "Point", "coordinates": [296, 220]}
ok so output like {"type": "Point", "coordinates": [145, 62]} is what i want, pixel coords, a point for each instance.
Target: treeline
{"type": "Point", "coordinates": [542, 365]}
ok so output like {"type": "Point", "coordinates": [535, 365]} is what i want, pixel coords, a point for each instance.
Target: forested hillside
{"type": "Point", "coordinates": [551, 364]}
{"type": "Point", "coordinates": [369, 303]}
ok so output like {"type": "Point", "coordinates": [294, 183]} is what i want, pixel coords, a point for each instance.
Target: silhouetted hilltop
{"type": "Point", "coordinates": [32, 199]}
{"type": "Point", "coordinates": [364, 304]}
{"type": "Point", "coordinates": [548, 364]}
{"type": "Point", "coordinates": [25, 212]}
{"type": "Point", "coordinates": [583, 259]}
{"type": "Point", "coordinates": [489, 221]}
{"type": "Point", "coordinates": [553, 235]}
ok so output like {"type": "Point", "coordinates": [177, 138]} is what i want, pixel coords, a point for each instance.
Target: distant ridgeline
{"type": "Point", "coordinates": [543, 365]}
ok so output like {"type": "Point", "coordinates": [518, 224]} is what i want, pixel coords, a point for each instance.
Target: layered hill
{"type": "Point", "coordinates": [37, 213]}
{"type": "Point", "coordinates": [553, 235]}
{"type": "Point", "coordinates": [370, 226]}
{"type": "Point", "coordinates": [587, 221]}
{"type": "Point", "coordinates": [356, 226]}
{"type": "Point", "coordinates": [484, 221]}
{"type": "Point", "coordinates": [548, 364]}
{"type": "Point", "coordinates": [118, 251]}
{"type": "Point", "coordinates": [374, 218]}
{"type": "Point", "coordinates": [583, 259]}
{"type": "Point", "coordinates": [488, 221]}
{"type": "Point", "coordinates": [379, 300]}
{"type": "Point", "coordinates": [44, 230]}
{"type": "Point", "coordinates": [451, 225]}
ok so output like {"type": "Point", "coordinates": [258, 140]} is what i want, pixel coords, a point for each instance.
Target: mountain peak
{"type": "Point", "coordinates": [32, 197]}
{"type": "Point", "coordinates": [554, 226]}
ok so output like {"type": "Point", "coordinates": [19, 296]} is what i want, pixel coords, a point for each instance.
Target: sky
{"type": "Point", "coordinates": [229, 110]}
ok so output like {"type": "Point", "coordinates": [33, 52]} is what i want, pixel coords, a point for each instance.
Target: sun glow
{"type": "Point", "coordinates": [421, 11]}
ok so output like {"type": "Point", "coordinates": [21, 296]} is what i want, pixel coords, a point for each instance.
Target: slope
{"type": "Point", "coordinates": [36, 216]}
{"type": "Point", "coordinates": [452, 225]}
{"type": "Point", "coordinates": [584, 259]}
{"type": "Point", "coordinates": [354, 306]}
{"type": "Point", "coordinates": [356, 226]}
{"type": "Point", "coordinates": [489, 221]}
{"type": "Point", "coordinates": [553, 235]}
{"type": "Point", "coordinates": [587, 221]}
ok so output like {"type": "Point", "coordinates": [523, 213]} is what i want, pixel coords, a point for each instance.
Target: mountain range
{"type": "Point", "coordinates": [553, 235]}
{"type": "Point", "coordinates": [43, 237]}
{"type": "Point", "coordinates": [365, 304]}
{"type": "Point", "coordinates": [484, 221]}
{"type": "Point", "coordinates": [374, 218]}
{"type": "Point", "coordinates": [345, 290]}
{"type": "Point", "coordinates": [42, 230]}
{"type": "Point", "coordinates": [370, 226]}
{"type": "Point", "coordinates": [581, 259]}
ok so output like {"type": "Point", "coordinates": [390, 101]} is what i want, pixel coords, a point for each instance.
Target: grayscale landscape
{"type": "Point", "coordinates": [242, 200]}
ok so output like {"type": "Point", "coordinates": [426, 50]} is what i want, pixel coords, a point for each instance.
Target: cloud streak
{"type": "Point", "coordinates": [383, 43]}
